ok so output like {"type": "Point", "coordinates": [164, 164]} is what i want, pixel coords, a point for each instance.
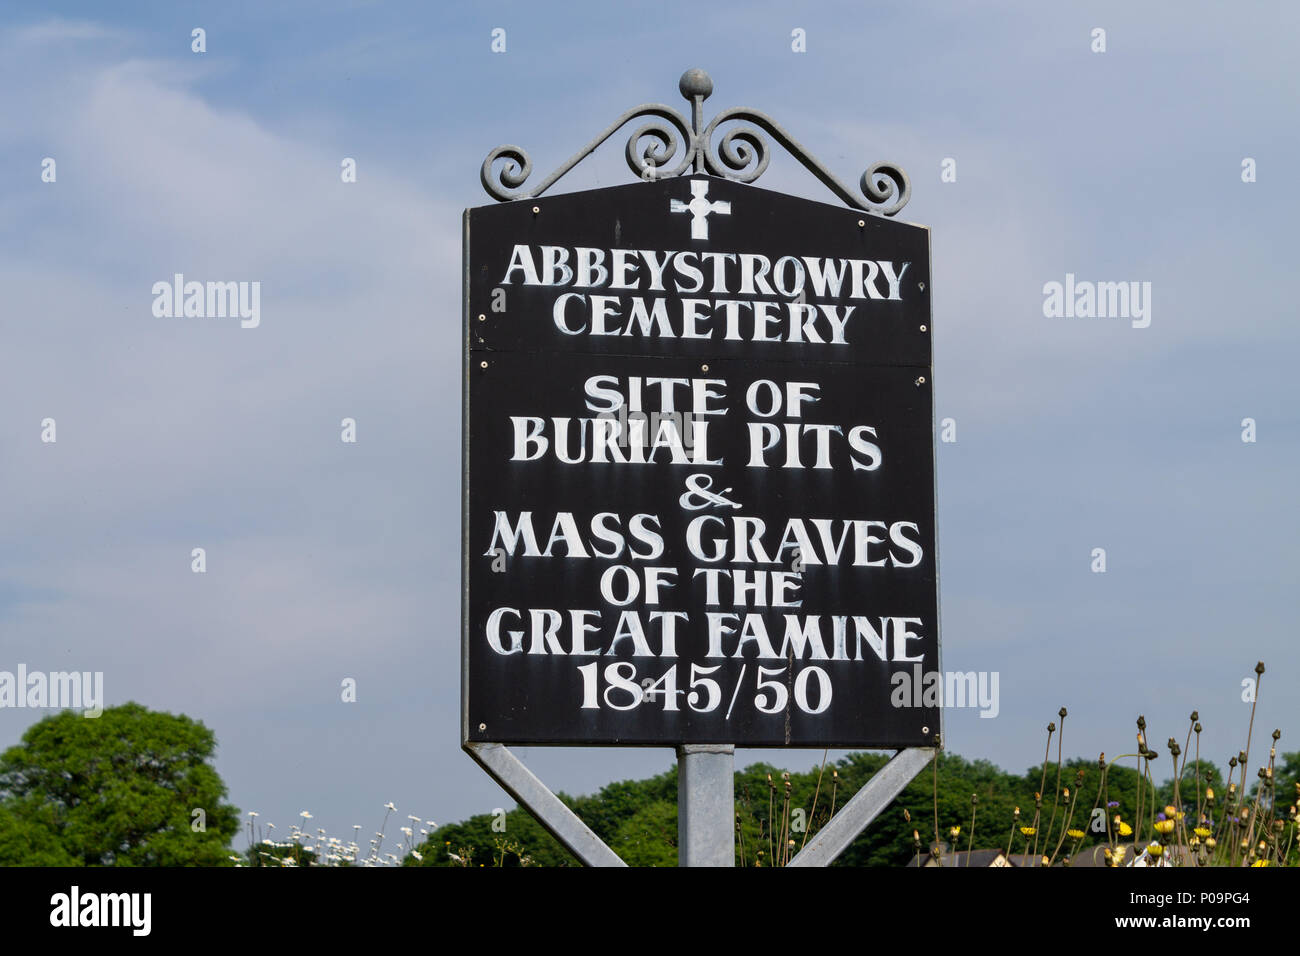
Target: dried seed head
{"type": "Point", "coordinates": [1259, 668]}
{"type": "Point", "coordinates": [1061, 713]}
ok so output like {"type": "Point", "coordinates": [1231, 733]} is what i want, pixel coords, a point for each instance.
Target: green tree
{"type": "Point", "coordinates": [26, 842]}
{"type": "Point", "coordinates": [649, 836]}
{"type": "Point", "coordinates": [118, 790]}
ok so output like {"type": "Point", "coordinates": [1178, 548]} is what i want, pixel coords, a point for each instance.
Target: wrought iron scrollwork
{"type": "Point", "coordinates": [741, 153]}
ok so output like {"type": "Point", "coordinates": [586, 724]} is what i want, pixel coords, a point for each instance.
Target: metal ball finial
{"type": "Point", "coordinates": [695, 83]}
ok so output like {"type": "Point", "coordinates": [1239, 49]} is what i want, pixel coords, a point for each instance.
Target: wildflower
{"type": "Point", "coordinates": [1211, 842]}
{"type": "Point", "coordinates": [1164, 826]}
{"type": "Point", "coordinates": [1155, 849]}
{"type": "Point", "coordinates": [1170, 811]}
{"type": "Point", "coordinates": [389, 806]}
{"type": "Point", "coordinates": [416, 854]}
{"type": "Point", "coordinates": [1110, 805]}
{"type": "Point", "coordinates": [305, 815]}
{"type": "Point", "coordinates": [1125, 830]}
{"type": "Point", "coordinates": [252, 813]}
{"type": "Point", "coordinates": [1075, 834]}
{"type": "Point", "coordinates": [1260, 863]}
{"type": "Point", "coordinates": [1027, 831]}
{"type": "Point", "coordinates": [1201, 832]}
{"type": "Point", "coordinates": [954, 831]}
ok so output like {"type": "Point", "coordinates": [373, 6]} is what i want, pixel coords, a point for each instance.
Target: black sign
{"type": "Point", "coordinates": [699, 502]}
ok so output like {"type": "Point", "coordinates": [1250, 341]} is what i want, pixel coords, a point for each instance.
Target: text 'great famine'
{"type": "Point", "coordinates": [697, 289]}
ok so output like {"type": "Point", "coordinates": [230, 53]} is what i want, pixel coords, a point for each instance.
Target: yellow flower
{"type": "Point", "coordinates": [1170, 811]}
{"type": "Point", "coordinates": [1260, 863]}
{"type": "Point", "coordinates": [1202, 832]}
{"type": "Point", "coordinates": [1125, 830]}
{"type": "Point", "coordinates": [1164, 826]}
{"type": "Point", "coordinates": [954, 831]}
{"type": "Point", "coordinates": [1211, 842]}
{"type": "Point", "coordinates": [1118, 854]}
{"type": "Point", "coordinates": [1027, 831]}
{"type": "Point", "coordinates": [1209, 792]}
{"type": "Point", "coordinates": [1074, 834]}
{"type": "Point", "coordinates": [1155, 849]}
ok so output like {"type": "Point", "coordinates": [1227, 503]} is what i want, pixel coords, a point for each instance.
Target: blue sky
{"type": "Point", "coordinates": [328, 560]}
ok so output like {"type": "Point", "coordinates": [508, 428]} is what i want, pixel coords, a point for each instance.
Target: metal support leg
{"type": "Point", "coordinates": [563, 824]}
{"type": "Point", "coordinates": [706, 805]}
{"type": "Point", "coordinates": [843, 828]}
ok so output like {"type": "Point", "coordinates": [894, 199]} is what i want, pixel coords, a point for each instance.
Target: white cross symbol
{"type": "Point", "coordinates": [699, 207]}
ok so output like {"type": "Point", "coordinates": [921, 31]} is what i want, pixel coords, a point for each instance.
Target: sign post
{"type": "Point", "coordinates": [698, 471]}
